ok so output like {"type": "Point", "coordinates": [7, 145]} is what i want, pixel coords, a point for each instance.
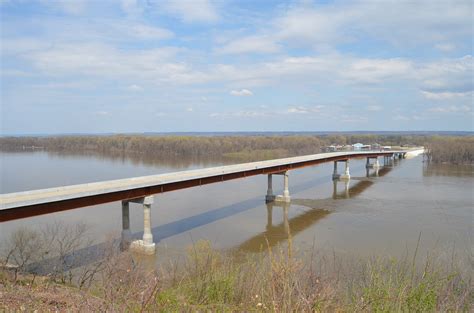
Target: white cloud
{"type": "Point", "coordinates": [241, 93]}
{"type": "Point", "coordinates": [400, 117]}
{"type": "Point", "coordinates": [16, 46]}
{"type": "Point", "coordinates": [399, 23]}
{"type": "Point", "coordinates": [448, 78]}
{"type": "Point", "coordinates": [306, 25]}
{"type": "Point", "coordinates": [255, 44]}
{"type": "Point", "coordinates": [376, 70]}
{"type": "Point", "coordinates": [132, 7]}
{"type": "Point", "coordinates": [445, 47]}
{"type": "Point", "coordinates": [74, 7]}
{"type": "Point", "coordinates": [304, 110]}
{"type": "Point", "coordinates": [190, 11]}
{"type": "Point", "coordinates": [240, 114]}
{"type": "Point", "coordinates": [148, 32]}
{"type": "Point", "coordinates": [446, 95]}
{"type": "Point", "coordinates": [353, 118]}
{"type": "Point", "coordinates": [374, 108]}
{"type": "Point", "coordinates": [100, 60]}
{"type": "Point", "coordinates": [451, 109]}
{"type": "Point", "coordinates": [135, 88]}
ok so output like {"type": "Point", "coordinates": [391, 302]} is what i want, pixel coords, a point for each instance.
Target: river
{"type": "Point", "coordinates": [382, 214]}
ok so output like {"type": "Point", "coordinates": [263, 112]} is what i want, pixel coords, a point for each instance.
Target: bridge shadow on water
{"type": "Point", "coordinates": [317, 210]}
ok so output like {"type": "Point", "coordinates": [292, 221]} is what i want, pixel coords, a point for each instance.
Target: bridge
{"type": "Point", "coordinates": [141, 189]}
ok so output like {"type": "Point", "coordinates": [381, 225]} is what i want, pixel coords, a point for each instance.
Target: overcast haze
{"type": "Point", "coordinates": [197, 65]}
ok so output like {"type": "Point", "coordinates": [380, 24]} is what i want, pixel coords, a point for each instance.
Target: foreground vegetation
{"type": "Point", "coordinates": [445, 149]}
{"type": "Point", "coordinates": [208, 280]}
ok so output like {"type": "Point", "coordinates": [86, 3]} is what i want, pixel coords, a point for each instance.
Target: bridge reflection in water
{"type": "Point", "coordinates": [317, 209]}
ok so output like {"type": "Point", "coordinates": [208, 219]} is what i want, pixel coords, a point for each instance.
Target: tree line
{"type": "Point", "coordinates": [452, 149]}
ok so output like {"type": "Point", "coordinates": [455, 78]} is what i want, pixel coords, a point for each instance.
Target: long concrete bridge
{"type": "Point", "coordinates": [141, 189]}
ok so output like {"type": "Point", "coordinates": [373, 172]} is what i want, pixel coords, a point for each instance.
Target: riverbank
{"type": "Point", "coordinates": [440, 149]}
{"type": "Point", "coordinates": [209, 280]}
{"type": "Point", "coordinates": [453, 149]}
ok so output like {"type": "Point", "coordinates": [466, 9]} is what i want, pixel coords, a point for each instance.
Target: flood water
{"type": "Point", "coordinates": [375, 214]}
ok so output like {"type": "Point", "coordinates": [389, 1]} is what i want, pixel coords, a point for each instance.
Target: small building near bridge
{"type": "Point", "coordinates": [360, 146]}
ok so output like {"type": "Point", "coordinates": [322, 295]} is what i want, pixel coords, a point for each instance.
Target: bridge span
{"type": "Point", "coordinates": [141, 189]}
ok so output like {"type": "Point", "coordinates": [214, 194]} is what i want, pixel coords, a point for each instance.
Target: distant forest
{"type": "Point", "coordinates": [441, 149]}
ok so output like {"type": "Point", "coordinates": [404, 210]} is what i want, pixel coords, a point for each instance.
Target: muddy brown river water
{"type": "Point", "coordinates": [374, 214]}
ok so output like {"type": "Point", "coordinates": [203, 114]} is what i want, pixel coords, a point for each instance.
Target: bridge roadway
{"type": "Point", "coordinates": [36, 202]}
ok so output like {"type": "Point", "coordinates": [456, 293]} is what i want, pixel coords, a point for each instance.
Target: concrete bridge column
{"type": "Point", "coordinates": [286, 192]}
{"type": "Point", "coordinates": [270, 196]}
{"type": "Point", "coordinates": [146, 245]}
{"type": "Point", "coordinates": [334, 190]}
{"type": "Point", "coordinates": [126, 233]}
{"type": "Point", "coordinates": [335, 175]}
{"type": "Point", "coordinates": [372, 165]}
{"type": "Point", "coordinates": [346, 175]}
{"type": "Point", "coordinates": [376, 164]}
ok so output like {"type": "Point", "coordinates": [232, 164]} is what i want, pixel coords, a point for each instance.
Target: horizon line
{"type": "Point", "coordinates": [235, 132]}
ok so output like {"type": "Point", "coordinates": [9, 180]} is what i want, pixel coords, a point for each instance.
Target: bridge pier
{"type": "Point", "coordinates": [387, 160]}
{"type": "Point", "coordinates": [286, 192]}
{"type": "Point", "coordinates": [146, 245]}
{"type": "Point", "coordinates": [376, 164]}
{"type": "Point", "coordinates": [335, 175]}
{"type": "Point", "coordinates": [346, 174]}
{"type": "Point", "coordinates": [126, 233]}
{"type": "Point", "coordinates": [270, 196]}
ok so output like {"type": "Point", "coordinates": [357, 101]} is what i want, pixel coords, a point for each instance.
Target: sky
{"type": "Point", "coordinates": [103, 66]}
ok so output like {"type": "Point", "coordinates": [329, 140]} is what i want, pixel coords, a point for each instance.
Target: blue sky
{"type": "Point", "coordinates": [200, 65]}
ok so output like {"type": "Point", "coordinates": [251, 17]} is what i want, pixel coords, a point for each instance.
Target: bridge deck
{"type": "Point", "coordinates": [36, 202]}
